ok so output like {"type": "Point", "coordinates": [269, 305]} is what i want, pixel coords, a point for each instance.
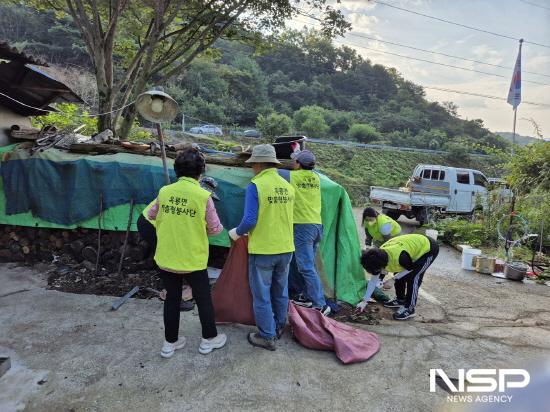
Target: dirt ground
{"type": "Point", "coordinates": [71, 352]}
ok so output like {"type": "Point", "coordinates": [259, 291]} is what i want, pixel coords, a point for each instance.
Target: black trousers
{"type": "Point", "coordinates": [406, 288]}
{"type": "Point", "coordinates": [201, 293]}
{"type": "Point", "coordinates": [148, 233]}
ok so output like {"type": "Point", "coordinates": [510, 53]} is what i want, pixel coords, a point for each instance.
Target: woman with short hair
{"type": "Point", "coordinates": [184, 216]}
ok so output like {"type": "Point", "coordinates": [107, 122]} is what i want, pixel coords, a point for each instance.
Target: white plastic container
{"type": "Point", "coordinates": [468, 258]}
{"type": "Point", "coordinates": [432, 233]}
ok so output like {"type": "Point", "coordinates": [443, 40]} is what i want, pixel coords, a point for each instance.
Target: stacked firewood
{"type": "Point", "coordinates": [30, 244]}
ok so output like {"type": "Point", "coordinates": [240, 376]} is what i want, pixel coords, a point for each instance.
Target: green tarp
{"type": "Point", "coordinates": [341, 271]}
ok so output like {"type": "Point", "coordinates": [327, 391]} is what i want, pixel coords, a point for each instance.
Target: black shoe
{"type": "Point", "coordinates": [325, 310]}
{"type": "Point", "coordinates": [301, 300]}
{"type": "Point", "coordinates": [280, 332]}
{"type": "Point", "coordinates": [256, 340]}
{"type": "Point", "coordinates": [404, 314]}
{"type": "Point", "coordinates": [394, 303]}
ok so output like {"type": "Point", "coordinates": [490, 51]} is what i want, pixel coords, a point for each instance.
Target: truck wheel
{"type": "Point", "coordinates": [394, 214]}
{"type": "Point", "coordinates": [424, 216]}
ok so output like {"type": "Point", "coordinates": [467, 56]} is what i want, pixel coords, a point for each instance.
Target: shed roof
{"type": "Point", "coordinates": [12, 54]}
{"type": "Point", "coordinates": [26, 83]}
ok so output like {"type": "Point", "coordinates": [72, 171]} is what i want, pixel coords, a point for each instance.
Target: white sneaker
{"type": "Point", "coordinates": [168, 348]}
{"type": "Point", "coordinates": [208, 345]}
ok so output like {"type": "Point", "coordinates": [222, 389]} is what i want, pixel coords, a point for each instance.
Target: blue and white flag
{"type": "Point", "coordinates": [514, 94]}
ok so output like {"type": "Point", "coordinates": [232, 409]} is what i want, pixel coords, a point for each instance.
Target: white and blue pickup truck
{"type": "Point", "coordinates": [434, 189]}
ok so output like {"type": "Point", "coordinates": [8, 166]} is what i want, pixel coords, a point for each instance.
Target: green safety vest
{"type": "Point", "coordinates": [381, 220]}
{"type": "Point", "coordinates": [146, 211]}
{"type": "Point", "coordinates": [307, 205]}
{"type": "Point", "coordinates": [273, 233]}
{"type": "Point", "coordinates": [415, 245]}
{"type": "Point", "coordinates": [182, 241]}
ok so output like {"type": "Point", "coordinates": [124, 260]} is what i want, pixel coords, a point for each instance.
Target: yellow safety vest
{"type": "Point", "coordinates": [415, 245]}
{"type": "Point", "coordinates": [381, 220]}
{"type": "Point", "coordinates": [182, 241]}
{"type": "Point", "coordinates": [307, 205]}
{"type": "Point", "coordinates": [146, 211]}
{"type": "Point", "coordinates": [273, 233]}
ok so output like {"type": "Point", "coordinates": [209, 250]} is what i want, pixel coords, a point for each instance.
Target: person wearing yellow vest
{"type": "Point", "coordinates": [268, 220]}
{"type": "Point", "coordinates": [184, 215]}
{"type": "Point", "coordinates": [379, 228]}
{"type": "Point", "coordinates": [147, 233]}
{"type": "Point", "coordinates": [409, 256]}
{"type": "Point", "coordinates": [304, 283]}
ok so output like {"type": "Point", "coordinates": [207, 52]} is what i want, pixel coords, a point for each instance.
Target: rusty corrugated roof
{"type": "Point", "coordinates": [8, 52]}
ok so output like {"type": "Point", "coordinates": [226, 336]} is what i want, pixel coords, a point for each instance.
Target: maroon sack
{"type": "Point", "coordinates": [315, 331]}
{"type": "Point", "coordinates": [231, 295]}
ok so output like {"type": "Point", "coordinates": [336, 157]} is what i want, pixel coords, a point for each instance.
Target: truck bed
{"type": "Point", "coordinates": [388, 197]}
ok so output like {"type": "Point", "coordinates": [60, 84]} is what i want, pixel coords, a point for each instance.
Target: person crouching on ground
{"type": "Point", "coordinates": [409, 256]}
{"type": "Point", "coordinates": [184, 216]}
{"type": "Point", "coordinates": [308, 231]}
{"type": "Point", "coordinates": [268, 220]}
{"type": "Point", "coordinates": [379, 228]}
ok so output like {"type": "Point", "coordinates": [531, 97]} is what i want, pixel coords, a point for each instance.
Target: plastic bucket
{"type": "Point", "coordinates": [468, 258]}
{"type": "Point", "coordinates": [484, 264]}
{"type": "Point", "coordinates": [432, 233]}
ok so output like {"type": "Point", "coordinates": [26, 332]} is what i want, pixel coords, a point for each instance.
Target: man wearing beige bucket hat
{"type": "Point", "coordinates": [268, 220]}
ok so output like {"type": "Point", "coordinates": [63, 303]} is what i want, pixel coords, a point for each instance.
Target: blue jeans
{"type": "Point", "coordinates": [268, 278]}
{"type": "Point", "coordinates": [306, 280]}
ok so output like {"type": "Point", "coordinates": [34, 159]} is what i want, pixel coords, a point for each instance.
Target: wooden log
{"type": "Point", "coordinates": [26, 250]}
{"type": "Point", "coordinates": [14, 236]}
{"type": "Point", "coordinates": [89, 253]}
{"type": "Point", "coordinates": [77, 246]}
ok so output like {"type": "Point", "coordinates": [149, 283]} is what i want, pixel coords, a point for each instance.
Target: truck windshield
{"type": "Point", "coordinates": [480, 180]}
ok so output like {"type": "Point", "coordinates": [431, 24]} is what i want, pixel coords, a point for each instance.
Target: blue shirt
{"type": "Point", "coordinates": [251, 206]}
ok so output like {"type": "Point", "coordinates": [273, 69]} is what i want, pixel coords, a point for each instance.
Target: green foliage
{"type": "Point", "coordinates": [529, 168]}
{"type": "Point", "coordinates": [457, 153]}
{"type": "Point", "coordinates": [460, 231]}
{"type": "Point", "coordinates": [311, 120]}
{"type": "Point", "coordinates": [69, 117]}
{"type": "Point", "coordinates": [274, 124]}
{"type": "Point", "coordinates": [235, 80]}
{"type": "Point", "coordinates": [364, 133]}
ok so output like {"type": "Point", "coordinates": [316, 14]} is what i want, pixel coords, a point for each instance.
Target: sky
{"type": "Point", "coordinates": [514, 18]}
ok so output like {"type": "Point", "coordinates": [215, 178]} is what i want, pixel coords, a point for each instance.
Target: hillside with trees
{"type": "Point", "coordinates": [291, 81]}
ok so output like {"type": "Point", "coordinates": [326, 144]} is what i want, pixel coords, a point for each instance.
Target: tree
{"type": "Point", "coordinates": [311, 120]}
{"type": "Point", "coordinates": [457, 153]}
{"type": "Point", "coordinates": [133, 43]}
{"type": "Point", "coordinates": [529, 168]}
{"type": "Point", "coordinates": [364, 132]}
{"type": "Point", "coordinates": [274, 124]}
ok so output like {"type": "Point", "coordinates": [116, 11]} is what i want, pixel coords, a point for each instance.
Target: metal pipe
{"type": "Point", "coordinates": [126, 236]}
{"type": "Point", "coordinates": [100, 216]}
{"type": "Point", "coordinates": [163, 154]}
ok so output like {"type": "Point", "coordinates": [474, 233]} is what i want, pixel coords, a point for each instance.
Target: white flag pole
{"type": "Point", "coordinates": [514, 132]}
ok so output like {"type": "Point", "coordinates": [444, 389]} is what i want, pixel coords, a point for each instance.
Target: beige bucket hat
{"type": "Point", "coordinates": [263, 153]}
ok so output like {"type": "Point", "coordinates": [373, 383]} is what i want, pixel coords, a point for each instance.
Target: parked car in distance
{"type": "Point", "coordinates": [206, 129]}
{"type": "Point", "coordinates": [252, 133]}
